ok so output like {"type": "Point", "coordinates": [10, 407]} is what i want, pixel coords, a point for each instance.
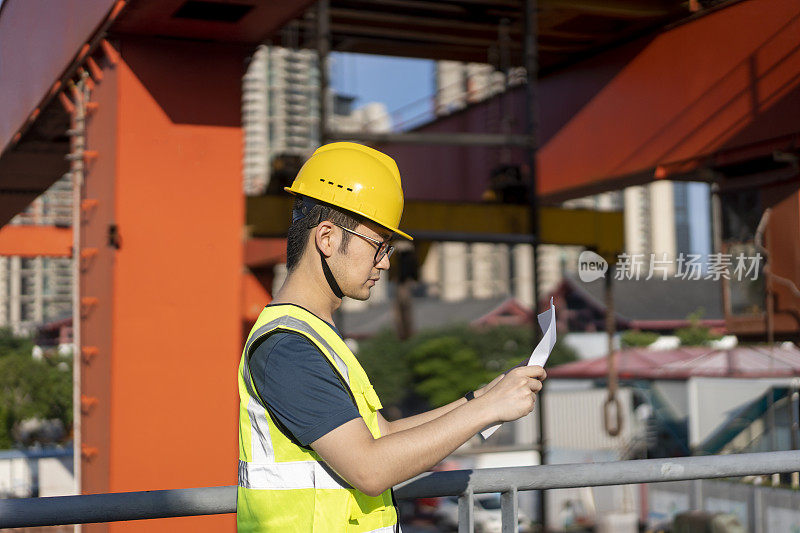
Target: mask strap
{"type": "Point", "coordinates": [302, 211]}
{"type": "Point", "coordinates": [329, 277]}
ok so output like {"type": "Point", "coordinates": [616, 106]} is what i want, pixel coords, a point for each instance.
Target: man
{"type": "Point", "coordinates": [315, 454]}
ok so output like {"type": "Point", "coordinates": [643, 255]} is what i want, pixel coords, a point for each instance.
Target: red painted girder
{"type": "Point", "coordinates": [36, 47]}
{"type": "Point", "coordinates": [719, 83]}
{"type": "Point", "coordinates": [261, 252]}
{"type": "Point", "coordinates": [726, 83]}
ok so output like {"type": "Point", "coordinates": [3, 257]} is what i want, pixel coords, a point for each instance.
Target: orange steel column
{"type": "Point", "coordinates": [166, 388]}
{"type": "Point", "coordinates": [783, 234]}
{"type": "Point", "coordinates": [96, 285]}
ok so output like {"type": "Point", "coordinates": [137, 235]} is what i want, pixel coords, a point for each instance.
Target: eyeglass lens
{"type": "Point", "coordinates": [384, 249]}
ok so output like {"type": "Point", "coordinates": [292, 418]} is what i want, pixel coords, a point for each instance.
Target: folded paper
{"type": "Point", "coordinates": [547, 321]}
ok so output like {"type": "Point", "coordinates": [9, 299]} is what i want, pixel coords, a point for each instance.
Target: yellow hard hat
{"type": "Point", "coordinates": [356, 178]}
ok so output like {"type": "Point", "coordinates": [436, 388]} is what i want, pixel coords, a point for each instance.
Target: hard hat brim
{"type": "Point", "coordinates": [364, 215]}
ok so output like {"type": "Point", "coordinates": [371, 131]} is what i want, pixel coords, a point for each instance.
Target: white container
{"type": "Point", "coordinates": [617, 523]}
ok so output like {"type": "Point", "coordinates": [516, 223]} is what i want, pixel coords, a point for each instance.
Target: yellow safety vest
{"type": "Point", "coordinates": [284, 487]}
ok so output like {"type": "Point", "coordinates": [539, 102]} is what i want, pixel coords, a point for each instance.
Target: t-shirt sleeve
{"type": "Point", "coordinates": [299, 387]}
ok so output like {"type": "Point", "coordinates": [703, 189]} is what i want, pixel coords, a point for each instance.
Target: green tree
{"type": "Point", "coordinates": [31, 388]}
{"type": "Point", "coordinates": [696, 334]}
{"type": "Point", "coordinates": [446, 368]}
{"type": "Point", "coordinates": [442, 365]}
{"type": "Point", "coordinates": [10, 343]}
{"type": "Point", "coordinates": [383, 359]}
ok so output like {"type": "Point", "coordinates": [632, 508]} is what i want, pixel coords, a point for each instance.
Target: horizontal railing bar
{"type": "Point", "coordinates": [117, 506]}
{"type": "Point", "coordinates": [431, 484]}
{"type": "Point", "coordinates": [59, 510]}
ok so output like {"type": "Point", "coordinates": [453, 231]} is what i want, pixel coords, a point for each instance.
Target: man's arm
{"type": "Point", "coordinates": [374, 465]}
{"type": "Point", "coordinates": [417, 420]}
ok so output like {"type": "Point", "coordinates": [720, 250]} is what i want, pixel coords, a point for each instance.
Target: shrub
{"type": "Point", "coordinates": [696, 334]}
{"type": "Point", "coordinates": [634, 338]}
{"type": "Point", "coordinates": [441, 365]}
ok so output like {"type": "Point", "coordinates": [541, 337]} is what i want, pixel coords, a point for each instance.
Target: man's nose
{"type": "Point", "coordinates": [383, 264]}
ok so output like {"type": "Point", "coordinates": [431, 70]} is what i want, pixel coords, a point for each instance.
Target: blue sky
{"type": "Point", "coordinates": [405, 85]}
{"type": "Point", "coordinates": [699, 206]}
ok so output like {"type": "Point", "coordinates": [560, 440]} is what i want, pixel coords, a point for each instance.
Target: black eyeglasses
{"type": "Point", "coordinates": [383, 247]}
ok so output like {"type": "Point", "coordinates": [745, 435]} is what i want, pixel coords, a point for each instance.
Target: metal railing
{"type": "Point", "coordinates": [114, 507]}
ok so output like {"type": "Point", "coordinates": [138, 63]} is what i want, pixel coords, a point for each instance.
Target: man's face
{"type": "Point", "coordinates": [356, 270]}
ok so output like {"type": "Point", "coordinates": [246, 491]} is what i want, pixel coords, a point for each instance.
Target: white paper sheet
{"type": "Point", "coordinates": [547, 321]}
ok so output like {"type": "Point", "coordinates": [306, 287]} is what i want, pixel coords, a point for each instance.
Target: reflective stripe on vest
{"type": "Point", "coordinates": [273, 467]}
{"type": "Point", "coordinates": [259, 434]}
{"type": "Point", "coordinates": [285, 476]}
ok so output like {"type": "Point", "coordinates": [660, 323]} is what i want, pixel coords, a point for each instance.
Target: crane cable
{"type": "Point", "coordinates": [612, 412]}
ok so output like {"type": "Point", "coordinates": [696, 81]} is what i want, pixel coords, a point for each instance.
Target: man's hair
{"type": "Point", "coordinates": [300, 229]}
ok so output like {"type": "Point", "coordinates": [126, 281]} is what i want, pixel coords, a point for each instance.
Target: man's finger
{"type": "Point", "coordinates": [533, 372]}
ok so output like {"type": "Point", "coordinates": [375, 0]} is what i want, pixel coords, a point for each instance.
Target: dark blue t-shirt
{"type": "Point", "coordinates": [299, 386]}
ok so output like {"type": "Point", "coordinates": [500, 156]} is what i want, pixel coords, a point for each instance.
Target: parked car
{"type": "Point", "coordinates": [486, 513]}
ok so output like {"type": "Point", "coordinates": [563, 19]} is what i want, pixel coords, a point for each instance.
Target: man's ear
{"type": "Point", "coordinates": [325, 238]}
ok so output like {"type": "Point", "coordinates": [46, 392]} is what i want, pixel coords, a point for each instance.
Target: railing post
{"type": "Point", "coordinates": [756, 513]}
{"type": "Point", "coordinates": [508, 510]}
{"type": "Point", "coordinates": [696, 494]}
{"type": "Point", "coordinates": [466, 508]}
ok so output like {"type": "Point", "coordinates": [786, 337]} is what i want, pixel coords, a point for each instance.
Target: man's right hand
{"type": "Point", "coordinates": [514, 396]}
{"type": "Point", "coordinates": [352, 451]}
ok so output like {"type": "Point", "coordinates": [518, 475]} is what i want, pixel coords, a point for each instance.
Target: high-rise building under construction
{"type": "Point", "coordinates": [280, 111]}
{"type": "Point", "coordinates": [280, 118]}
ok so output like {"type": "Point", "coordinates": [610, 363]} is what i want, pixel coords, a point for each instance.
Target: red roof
{"type": "Point", "coordinates": [511, 312]}
{"type": "Point", "coordinates": [683, 363]}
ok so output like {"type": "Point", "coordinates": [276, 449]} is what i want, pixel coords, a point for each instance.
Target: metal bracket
{"type": "Point", "coordinates": [87, 304]}
{"type": "Point", "coordinates": [87, 258]}
{"type": "Point", "coordinates": [88, 353]}
{"type": "Point", "coordinates": [89, 452]}
{"type": "Point", "coordinates": [88, 403]}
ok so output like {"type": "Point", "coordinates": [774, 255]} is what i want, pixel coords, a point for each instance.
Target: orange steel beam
{"type": "Point", "coordinates": [254, 297]}
{"type": "Point", "coordinates": [718, 88]}
{"type": "Point", "coordinates": [33, 241]}
{"type": "Point", "coordinates": [261, 252]}
{"type": "Point", "coordinates": [163, 308]}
